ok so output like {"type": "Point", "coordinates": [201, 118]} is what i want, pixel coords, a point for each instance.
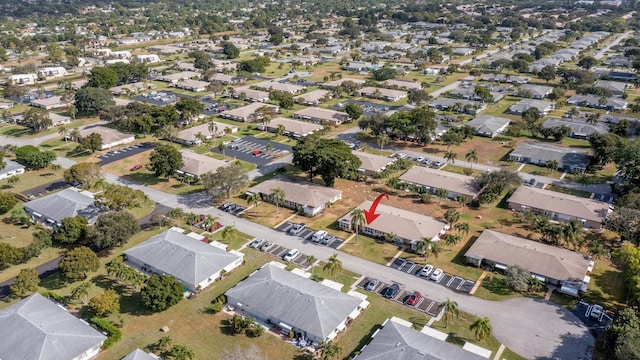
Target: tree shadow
{"type": "Point", "coordinates": [572, 346]}
{"type": "Point", "coordinates": [132, 304]}
{"type": "Point", "coordinates": [54, 282]}
{"type": "Point", "coordinates": [453, 338]}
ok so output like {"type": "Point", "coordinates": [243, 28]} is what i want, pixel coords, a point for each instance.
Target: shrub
{"type": "Point", "coordinates": [114, 333]}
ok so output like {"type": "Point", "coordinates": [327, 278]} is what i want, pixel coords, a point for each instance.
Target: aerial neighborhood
{"type": "Point", "coordinates": [317, 180]}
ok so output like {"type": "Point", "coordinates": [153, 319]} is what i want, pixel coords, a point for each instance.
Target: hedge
{"type": "Point", "coordinates": [114, 333]}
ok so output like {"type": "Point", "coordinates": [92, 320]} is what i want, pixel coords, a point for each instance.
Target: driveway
{"type": "Point", "coordinates": [45, 188]}
{"type": "Point", "coordinates": [244, 149]}
{"type": "Point", "coordinates": [123, 153]}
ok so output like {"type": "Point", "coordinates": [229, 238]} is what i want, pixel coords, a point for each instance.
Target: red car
{"type": "Point", "coordinates": [257, 152]}
{"type": "Point", "coordinates": [414, 298]}
{"type": "Point", "coordinates": [136, 168]}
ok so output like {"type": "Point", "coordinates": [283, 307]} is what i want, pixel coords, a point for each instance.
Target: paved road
{"type": "Point", "coordinates": [601, 53]}
{"type": "Point", "coordinates": [35, 141]}
{"type": "Point", "coordinates": [44, 270]}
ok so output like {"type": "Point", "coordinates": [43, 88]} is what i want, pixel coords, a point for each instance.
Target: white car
{"type": "Point", "coordinates": [437, 275]}
{"type": "Point", "coordinates": [596, 311]}
{"type": "Point", "coordinates": [255, 243]}
{"type": "Point", "coordinates": [290, 255]}
{"type": "Point", "coordinates": [426, 271]}
{"type": "Point", "coordinates": [319, 235]}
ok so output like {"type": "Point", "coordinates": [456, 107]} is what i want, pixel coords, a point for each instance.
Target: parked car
{"type": "Point", "coordinates": [437, 163]}
{"type": "Point", "coordinates": [257, 152]}
{"type": "Point", "coordinates": [414, 298]}
{"type": "Point", "coordinates": [327, 240]}
{"type": "Point", "coordinates": [426, 271]}
{"type": "Point", "coordinates": [290, 255]}
{"type": "Point", "coordinates": [319, 235]}
{"type": "Point", "coordinates": [437, 275]}
{"type": "Point", "coordinates": [391, 291]}
{"type": "Point", "coordinates": [596, 311]}
{"type": "Point", "coordinates": [255, 243]}
{"type": "Point", "coordinates": [265, 245]}
{"type": "Point", "coordinates": [136, 168]}
{"type": "Point", "coordinates": [297, 229]}
{"type": "Point", "coordinates": [371, 285]}
{"type": "Point", "coordinates": [225, 206]}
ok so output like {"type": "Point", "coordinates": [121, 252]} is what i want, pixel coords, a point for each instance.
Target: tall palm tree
{"type": "Point", "coordinates": [357, 221]}
{"type": "Point", "coordinates": [311, 259]}
{"type": "Point", "coordinates": [482, 328]}
{"type": "Point", "coordinates": [472, 157]}
{"type": "Point", "coordinates": [212, 127]}
{"type": "Point", "coordinates": [462, 228]}
{"type": "Point", "coordinates": [72, 111]}
{"type": "Point", "coordinates": [229, 233]}
{"type": "Point", "coordinates": [277, 196]}
{"type": "Point", "coordinates": [74, 135]}
{"type": "Point", "coordinates": [222, 147]}
{"type": "Point", "coordinates": [382, 140]}
{"type": "Point", "coordinates": [451, 240]}
{"type": "Point", "coordinates": [572, 232]}
{"type": "Point", "coordinates": [62, 130]}
{"type": "Point", "coordinates": [450, 156]}
{"type": "Point", "coordinates": [280, 130]}
{"type": "Point", "coordinates": [441, 194]}
{"type": "Point", "coordinates": [333, 266]}
{"type": "Point", "coordinates": [254, 198]}
{"type": "Point", "coordinates": [449, 308]}
{"type": "Point", "coordinates": [592, 118]}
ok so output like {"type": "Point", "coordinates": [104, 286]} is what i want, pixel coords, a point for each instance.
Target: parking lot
{"type": "Point", "coordinates": [426, 305]}
{"type": "Point", "coordinates": [125, 152]}
{"type": "Point", "coordinates": [278, 251]}
{"type": "Point", "coordinates": [45, 188]}
{"type": "Point", "coordinates": [244, 149]}
{"type": "Point", "coordinates": [597, 326]}
{"type": "Point", "coordinates": [160, 98]}
{"type": "Point", "coordinates": [367, 107]}
{"type": "Point", "coordinates": [452, 282]}
{"type": "Point", "coordinates": [232, 208]}
{"type": "Point", "coordinates": [306, 234]}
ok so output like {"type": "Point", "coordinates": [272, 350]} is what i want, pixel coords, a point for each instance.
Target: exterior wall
{"type": "Point", "coordinates": [589, 224]}
{"type": "Point", "coordinates": [91, 353]}
{"type": "Point", "coordinates": [11, 173]}
{"type": "Point", "coordinates": [116, 143]}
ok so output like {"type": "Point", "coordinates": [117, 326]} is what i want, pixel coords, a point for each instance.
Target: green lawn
{"type": "Point", "coordinates": [569, 191]}
{"type": "Point", "coordinates": [371, 249]}
{"type": "Point", "coordinates": [461, 170]}
{"type": "Point", "coordinates": [235, 243]}
{"type": "Point", "coordinates": [32, 178]}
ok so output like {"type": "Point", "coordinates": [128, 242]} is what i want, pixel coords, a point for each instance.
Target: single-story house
{"type": "Point", "coordinates": [51, 209]}
{"type": "Point", "coordinates": [399, 341]}
{"type": "Point", "coordinates": [616, 87]}
{"type": "Point", "coordinates": [334, 84]}
{"type": "Point", "coordinates": [138, 354]}
{"type": "Point", "coordinates": [408, 226]}
{"type": "Point", "coordinates": [462, 51]}
{"type": "Point", "coordinates": [24, 79]}
{"type": "Point", "coordinates": [524, 104]}
{"type": "Point", "coordinates": [459, 105]}
{"type": "Point", "coordinates": [11, 168]}
{"type": "Point", "coordinates": [560, 207]}
{"type": "Point", "coordinates": [534, 91]}
{"type": "Point", "coordinates": [506, 78]}
{"type": "Point", "coordinates": [132, 88]}
{"type": "Point", "coordinates": [148, 58]}
{"type": "Point", "coordinates": [308, 197]}
{"type": "Point", "coordinates": [110, 137]}
{"type": "Point", "coordinates": [547, 263]}
{"type": "Point", "coordinates": [48, 103]}
{"type": "Point", "coordinates": [6, 104]}
{"type": "Point", "coordinates": [579, 128]}
{"type": "Point", "coordinates": [382, 93]}
{"type": "Point", "coordinates": [190, 136]}
{"type": "Point", "coordinates": [247, 113]}
{"type": "Point", "coordinates": [372, 164]}
{"type": "Point", "coordinates": [278, 86]}
{"type": "Point", "coordinates": [191, 85]}
{"type": "Point", "coordinates": [568, 159]}
{"type": "Point", "coordinates": [174, 78]}
{"type": "Point", "coordinates": [196, 165]}
{"type": "Point", "coordinates": [59, 119]}
{"type": "Point", "coordinates": [319, 115]}
{"type": "Point", "coordinates": [489, 126]}
{"type": "Point", "coordinates": [293, 128]}
{"type": "Point", "coordinates": [193, 262]}
{"type": "Point", "coordinates": [292, 302]}
{"type": "Point", "coordinates": [37, 328]}
{"type": "Point", "coordinates": [597, 102]}
{"type": "Point", "coordinates": [403, 84]}
{"type": "Point", "coordinates": [434, 179]}
{"type": "Point", "coordinates": [53, 72]}
{"type": "Point", "coordinates": [223, 79]}
{"type": "Point", "coordinates": [251, 95]}
{"type": "Point", "coordinates": [312, 98]}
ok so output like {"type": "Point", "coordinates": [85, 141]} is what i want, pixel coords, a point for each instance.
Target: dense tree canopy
{"type": "Point", "coordinates": [225, 180]}
{"type": "Point", "coordinates": [25, 283]}
{"type": "Point", "coordinates": [329, 158]}
{"type": "Point", "coordinates": [85, 173]}
{"type": "Point", "coordinates": [76, 263]}
{"type": "Point", "coordinates": [71, 230]}
{"type": "Point", "coordinates": [91, 100]}
{"type": "Point", "coordinates": [33, 158]}
{"type": "Point", "coordinates": [113, 229]}
{"type": "Point", "coordinates": [165, 160]}
{"type": "Point", "coordinates": [161, 292]}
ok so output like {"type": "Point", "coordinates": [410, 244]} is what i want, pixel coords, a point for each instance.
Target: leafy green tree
{"type": "Point", "coordinates": [37, 119]}
{"type": "Point", "coordinates": [483, 93]}
{"type": "Point", "coordinates": [462, 228]}
{"type": "Point", "coordinates": [165, 160]}
{"type": "Point", "coordinates": [418, 97]}
{"type": "Point", "coordinates": [33, 158]}
{"type": "Point", "coordinates": [118, 197]}
{"type": "Point", "coordinates": [179, 352]}
{"type": "Point", "coordinates": [547, 73]}
{"type": "Point", "coordinates": [354, 111]}
{"type": "Point", "coordinates": [230, 50]}
{"type": "Point", "coordinates": [482, 328]}
{"type": "Point", "coordinates": [451, 240]}
{"type": "Point", "coordinates": [76, 263]}
{"type": "Point", "coordinates": [81, 292]}
{"type": "Point", "coordinates": [105, 303]}
{"type": "Point", "coordinates": [9, 255]}
{"type": "Point", "coordinates": [229, 233]}
{"type": "Point", "coordinates": [7, 201]}
{"type": "Point", "coordinates": [450, 156]}
{"type": "Point", "coordinates": [41, 240]}
{"type": "Point", "coordinates": [25, 283]}
{"type": "Point", "coordinates": [225, 180]}
{"type": "Point", "coordinates": [71, 230]}
{"type": "Point", "coordinates": [92, 142]}
{"type": "Point", "coordinates": [333, 266]}
{"type": "Point", "coordinates": [91, 100]}
{"type": "Point", "coordinates": [102, 77]}
{"type": "Point", "coordinates": [449, 309]}
{"type": "Point", "coordinates": [189, 108]}
{"type": "Point", "coordinates": [452, 216]}
{"type": "Point", "coordinates": [518, 278]}
{"type": "Point", "coordinates": [113, 229]}
{"type": "Point", "coordinates": [330, 350]}
{"type": "Point", "coordinates": [161, 292]}
{"type": "Point", "coordinates": [86, 173]}
{"type": "Point", "coordinates": [384, 73]}
{"type": "Point", "coordinates": [329, 158]}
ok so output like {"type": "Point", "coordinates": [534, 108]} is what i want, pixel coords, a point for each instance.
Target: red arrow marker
{"type": "Point", "coordinates": [370, 214]}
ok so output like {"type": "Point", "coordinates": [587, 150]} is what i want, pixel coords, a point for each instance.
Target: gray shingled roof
{"type": "Point", "coordinates": [38, 329]}
{"type": "Point", "coordinates": [302, 303]}
{"type": "Point", "coordinates": [545, 152]}
{"type": "Point", "coordinates": [181, 256]}
{"type": "Point", "coordinates": [63, 204]}
{"type": "Point", "coordinates": [138, 354]}
{"type": "Point", "coordinates": [485, 124]}
{"type": "Point", "coordinates": [398, 342]}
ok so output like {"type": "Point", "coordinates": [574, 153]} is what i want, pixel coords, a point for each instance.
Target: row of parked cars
{"type": "Point", "coordinates": [420, 160]}
{"type": "Point", "coordinates": [392, 290]}
{"type": "Point", "coordinates": [264, 245]}
{"type": "Point", "coordinates": [232, 208]}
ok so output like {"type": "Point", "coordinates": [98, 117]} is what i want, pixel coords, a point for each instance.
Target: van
{"type": "Point", "coordinates": [318, 236]}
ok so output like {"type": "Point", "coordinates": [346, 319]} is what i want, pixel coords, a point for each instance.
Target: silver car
{"type": "Point", "coordinates": [371, 285]}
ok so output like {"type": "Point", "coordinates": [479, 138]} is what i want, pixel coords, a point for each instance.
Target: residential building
{"type": "Point", "coordinates": [579, 128]}
{"type": "Point", "coordinates": [567, 159]}
{"type": "Point", "coordinates": [24, 79]}
{"type": "Point", "coordinates": [110, 137]}
{"type": "Point", "coordinates": [308, 197]}
{"type": "Point", "coordinates": [409, 227]}
{"type": "Point", "coordinates": [36, 328]}
{"type": "Point", "coordinates": [434, 179]}
{"type": "Point", "coordinates": [534, 91]}
{"type": "Point", "coordinates": [11, 169]}
{"type": "Point", "coordinates": [399, 341]}
{"type": "Point", "coordinates": [251, 95]}
{"type": "Point", "coordinates": [247, 113]}
{"type": "Point", "coordinates": [191, 85]}
{"type": "Point", "coordinates": [597, 102]}
{"type": "Point", "coordinates": [506, 78]}
{"type": "Point", "coordinates": [54, 72]}
{"type": "Point", "coordinates": [523, 105]}
{"type": "Point", "coordinates": [278, 86]}
{"type": "Point", "coordinates": [188, 259]}
{"type": "Point", "coordinates": [293, 128]}
{"type": "Point", "coordinates": [489, 126]}
{"type": "Point", "coordinates": [148, 58]}
{"type": "Point", "coordinates": [312, 98]}
{"type": "Point", "coordinates": [320, 116]}
{"type": "Point", "coordinates": [382, 93]}
{"type": "Point", "coordinates": [138, 354]}
{"type": "Point", "coordinates": [372, 164]}
{"type": "Point", "coordinates": [339, 82]}
{"type": "Point", "coordinates": [310, 309]}
{"type": "Point", "coordinates": [190, 136]}
{"type": "Point", "coordinates": [403, 84]}
{"type": "Point", "coordinates": [51, 209]}
{"type": "Point", "coordinates": [49, 103]}
{"type": "Point", "coordinates": [459, 105]}
{"type": "Point", "coordinates": [559, 206]}
{"type": "Point", "coordinates": [550, 264]}
{"type": "Point", "coordinates": [223, 79]}
{"type": "Point", "coordinates": [616, 87]}
{"type": "Point", "coordinates": [133, 88]}
{"type": "Point", "coordinates": [196, 165]}
{"type": "Point", "coordinates": [176, 77]}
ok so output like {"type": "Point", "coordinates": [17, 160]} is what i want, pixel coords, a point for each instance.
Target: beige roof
{"type": "Point", "coordinates": [247, 110]}
{"type": "Point", "coordinates": [178, 76]}
{"type": "Point", "coordinates": [192, 84]}
{"type": "Point", "coordinates": [274, 85]}
{"type": "Point", "coordinates": [371, 162]}
{"type": "Point", "coordinates": [198, 165]}
{"type": "Point", "coordinates": [58, 119]}
{"type": "Point", "coordinates": [409, 85]}
{"type": "Point", "coordinates": [253, 94]}
{"type": "Point", "coordinates": [340, 81]}
{"type": "Point", "coordinates": [133, 87]}
{"type": "Point", "coordinates": [222, 77]}
{"type": "Point", "coordinates": [299, 192]}
{"type": "Point", "coordinates": [384, 92]}
{"type": "Point", "coordinates": [405, 224]}
{"type": "Point", "coordinates": [109, 135]}
{"type": "Point", "coordinates": [542, 259]}
{"type": "Point", "coordinates": [312, 96]}
{"type": "Point", "coordinates": [576, 206]}
{"type": "Point", "coordinates": [294, 126]}
{"type": "Point", "coordinates": [324, 114]}
{"type": "Point", "coordinates": [438, 179]}
{"type": "Point", "coordinates": [190, 133]}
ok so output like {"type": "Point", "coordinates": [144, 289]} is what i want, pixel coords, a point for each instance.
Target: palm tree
{"type": "Point", "coordinates": [552, 165]}
{"type": "Point", "coordinates": [81, 292]}
{"type": "Point", "coordinates": [482, 328]}
{"type": "Point", "coordinates": [74, 135]}
{"type": "Point", "coordinates": [222, 147]}
{"type": "Point", "coordinates": [209, 221]}
{"type": "Point", "coordinates": [450, 156]}
{"type": "Point", "coordinates": [592, 118]}
{"type": "Point", "coordinates": [462, 228]}
{"type": "Point", "coordinates": [357, 221]}
{"type": "Point", "coordinates": [461, 199]}
{"type": "Point", "coordinates": [229, 233]}
{"type": "Point", "coordinates": [311, 259]}
{"type": "Point", "coordinates": [449, 309]}
{"type": "Point", "coordinates": [13, 180]}
{"type": "Point", "coordinates": [62, 130]}
{"type": "Point", "coordinates": [72, 111]}
{"type": "Point", "coordinates": [382, 140]}
{"type": "Point", "coordinates": [212, 127]}
{"type": "Point", "coordinates": [472, 157]}
{"type": "Point", "coordinates": [277, 196]}
{"type": "Point", "coordinates": [330, 350]}
{"type": "Point", "coordinates": [427, 246]}
{"type": "Point", "coordinates": [280, 130]}
{"type": "Point", "coordinates": [572, 232]}
{"type": "Point", "coordinates": [100, 184]}
{"type": "Point", "coordinates": [441, 194]}
{"type": "Point", "coordinates": [254, 198]}
{"type": "Point", "coordinates": [200, 137]}
{"type": "Point", "coordinates": [333, 266]}
{"type": "Point", "coordinates": [390, 237]}
{"type": "Point", "coordinates": [451, 240]}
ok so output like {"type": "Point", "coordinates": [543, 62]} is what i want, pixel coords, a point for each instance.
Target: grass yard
{"type": "Point", "coordinates": [23, 132]}
{"type": "Point", "coordinates": [344, 277]}
{"type": "Point", "coordinates": [142, 211]}
{"type": "Point", "coordinates": [264, 213]}
{"type": "Point", "coordinates": [32, 178]}
{"type": "Point", "coordinates": [541, 170]}
{"type": "Point", "coordinates": [371, 249]}
{"type": "Point", "coordinates": [565, 190]}
{"type": "Point", "coordinates": [461, 170]}
{"type": "Point", "coordinates": [233, 244]}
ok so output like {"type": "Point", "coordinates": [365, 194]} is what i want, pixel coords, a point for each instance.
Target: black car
{"type": "Point", "coordinates": [391, 291]}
